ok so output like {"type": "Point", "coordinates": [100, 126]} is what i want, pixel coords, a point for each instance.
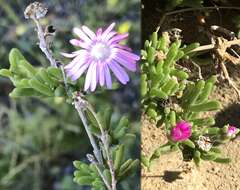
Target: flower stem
{"type": "Point", "coordinates": [43, 44]}
{"type": "Point", "coordinates": [105, 142]}
{"type": "Point", "coordinates": [79, 107]}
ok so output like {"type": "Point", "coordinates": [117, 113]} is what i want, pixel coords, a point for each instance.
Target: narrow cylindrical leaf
{"type": "Point", "coordinates": [118, 157]}
{"type": "Point", "coordinates": [196, 157]}
{"type": "Point", "coordinates": [222, 160]}
{"type": "Point", "coordinates": [172, 118]}
{"type": "Point", "coordinates": [189, 143]}
{"type": "Point", "coordinates": [196, 91]}
{"type": "Point", "coordinates": [151, 55]}
{"type": "Point", "coordinates": [143, 84]}
{"type": "Point", "coordinates": [208, 106]}
{"type": "Point", "coordinates": [181, 75]}
{"type": "Point", "coordinates": [172, 53]}
{"type": "Point", "coordinates": [151, 113]}
{"type": "Point", "coordinates": [158, 93]}
{"type": "Point", "coordinates": [154, 39]}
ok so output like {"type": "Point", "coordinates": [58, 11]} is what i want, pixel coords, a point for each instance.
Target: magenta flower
{"type": "Point", "coordinates": [232, 131]}
{"type": "Point", "coordinates": [100, 53]}
{"type": "Point", "coordinates": [181, 132]}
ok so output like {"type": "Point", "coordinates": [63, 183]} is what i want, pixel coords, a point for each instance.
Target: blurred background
{"type": "Point", "coordinates": [40, 139]}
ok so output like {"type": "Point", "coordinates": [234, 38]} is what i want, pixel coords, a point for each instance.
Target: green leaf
{"type": "Point", "coordinates": [203, 121]}
{"type": "Point", "coordinates": [209, 156]}
{"type": "Point", "coordinates": [27, 67]}
{"type": "Point", "coordinates": [222, 160]}
{"type": "Point", "coordinates": [208, 106]}
{"type": "Point", "coordinates": [14, 57]}
{"type": "Point", "coordinates": [151, 55]}
{"type": "Point", "coordinates": [47, 79]}
{"type": "Point", "coordinates": [85, 180]}
{"type": "Point", "coordinates": [151, 113]}
{"type": "Point", "coordinates": [213, 130]}
{"type": "Point", "coordinates": [158, 93]}
{"type": "Point", "coordinates": [55, 72]}
{"type": "Point", "coordinates": [6, 73]}
{"type": "Point", "coordinates": [196, 91]}
{"type": "Point", "coordinates": [23, 92]}
{"type": "Point", "coordinates": [154, 39]}
{"type": "Point", "coordinates": [143, 84]}
{"type": "Point", "coordinates": [189, 143]}
{"type": "Point", "coordinates": [118, 157]}
{"type": "Point", "coordinates": [107, 175]}
{"type": "Point", "coordinates": [197, 157]}
{"type": "Point", "coordinates": [60, 91]}
{"type": "Point", "coordinates": [172, 53]}
{"type": "Point", "coordinates": [42, 88]}
{"type": "Point", "coordinates": [181, 75]}
{"type": "Point", "coordinates": [129, 169]}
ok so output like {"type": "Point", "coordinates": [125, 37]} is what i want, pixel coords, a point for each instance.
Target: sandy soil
{"type": "Point", "coordinates": [171, 173]}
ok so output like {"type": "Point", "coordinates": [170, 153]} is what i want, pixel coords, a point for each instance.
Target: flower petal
{"type": "Point", "coordinates": [127, 54]}
{"type": "Point", "coordinates": [88, 78]}
{"type": "Point", "coordinates": [75, 60]}
{"type": "Point", "coordinates": [78, 63]}
{"type": "Point", "coordinates": [119, 72]}
{"type": "Point", "coordinates": [101, 74]}
{"type": "Point", "coordinates": [80, 71]}
{"type": "Point", "coordinates": [107, 77]}
{"type": "Point", "coordinates": [109, 36]}
{"type": "Point", "coordinates": [79, 43]}
{"type": "Point", "coordinates": [118, 38]}
{"type": "Point", "coordinates": [127, 63]}
{"type": "Point", "coordinates": [81, 34]}
{"type": "Point", "coordinates": [109, 29]}
{"type": "Point", "coordinates": [89, 32]}
{"type": "Point", "coordinates": [120, 46]}
{"type": "Point", "coordinates": [94, 77]}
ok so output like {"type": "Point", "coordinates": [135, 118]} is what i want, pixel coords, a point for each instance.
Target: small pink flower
{"type": "Point", "coordinates": [181, 132]}
{"type": "Point", "coordinates": [100, 56]}
{"type": "Point", "coordinates": [232, 131]}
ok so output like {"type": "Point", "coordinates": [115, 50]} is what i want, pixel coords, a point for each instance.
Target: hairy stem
{"type": "Point", "coordinates": [43, 44]}
{"type": "Point", "coordinates": [79, 107]}
{"type": "Point", "coordinates": [105, 142]}
{"type": "Point", "coordinates": [92, 160]}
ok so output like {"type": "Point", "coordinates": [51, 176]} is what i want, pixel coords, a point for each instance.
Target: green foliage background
{"type": "Point", "coordinates": [39, 141]}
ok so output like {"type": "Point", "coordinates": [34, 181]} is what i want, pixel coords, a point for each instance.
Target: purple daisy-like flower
{"type": "Point", "coordinates": [100, 54]}
{"type": "Point", "coordinates": [181, 132]}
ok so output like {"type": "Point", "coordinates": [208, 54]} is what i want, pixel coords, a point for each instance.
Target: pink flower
{"type": "Point", "coordinates": [100, 54]}
{"type": "Point", "coordinates": [232, 131]}
{"type": "Point", "coordinates": [181, 132]}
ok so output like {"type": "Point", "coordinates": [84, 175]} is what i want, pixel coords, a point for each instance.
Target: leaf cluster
{"type": "Point", "coordinates": [170, 96]}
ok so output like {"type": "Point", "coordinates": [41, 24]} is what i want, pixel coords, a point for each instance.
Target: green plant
{"type": "Point", "coordinates": [169, 96]}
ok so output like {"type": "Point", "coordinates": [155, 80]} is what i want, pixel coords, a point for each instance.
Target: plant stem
{"type": "Point", "coordinates": [211, 46]}
{"type": "Point", "coordinates": [105, 141]}
{"type": "Point", "coordinates": [92, 160]}
{"type": "Point", "coordinates": [43, 44]}
{"type": "Point", "coordinates": [79, 106]}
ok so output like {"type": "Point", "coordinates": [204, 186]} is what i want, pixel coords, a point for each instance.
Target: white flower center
{"type": "Point", "coordinates": [100, 51]}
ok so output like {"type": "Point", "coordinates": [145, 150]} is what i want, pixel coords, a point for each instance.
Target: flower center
{"type": "Point", "coordinates": [100, 51]}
